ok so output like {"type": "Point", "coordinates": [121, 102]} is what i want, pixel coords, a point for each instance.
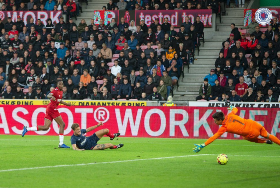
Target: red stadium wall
{"type": "Point", "coordinates": [163, 122]}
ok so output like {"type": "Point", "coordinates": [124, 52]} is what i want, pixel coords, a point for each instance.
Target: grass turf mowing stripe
{"type": "Point", "coordinates": [110, 162]}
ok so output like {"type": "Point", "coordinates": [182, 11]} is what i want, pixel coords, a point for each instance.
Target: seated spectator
{"type": "Point", "coordinates": [241, 88]}
{"type": "Point", "coordinates": [234, 97]}
{"type": "Point", "coordinates": [252, 43]}
{"type": "Point", "coordinates": [220, 61]}
{"type": "Point", "coordinates": [159, 51]}
{"type": "Point", "coordinates": [249, 96]}
{"type": "Point", "coordinates": [105, 84]}
{"type": "Point", "coordinates": [106, 53]}
{"type": "Point", "coordinates": [39, 94]}
{"type": "Point", "coordinates": [30, 94]}
{"type": "Point", "coordinates": [263, 87]}
{"type": "Point", "coordinates": [141, 78]}
{"type": "Point", "coordinates": [239, 68]}
{"type": "Point", "coordinates": [49, 5]}
{"type": "Point", "coordinates": [120, 43]}
{"type": "Point", "coordinates": [105, 95]}
{"type": "Point", "coordinates": [204, 91]}
{"type": "Point", "coordinates": [99, 41]}
{"type": "Point", "coordinates": [137, 91]}
{"type": "Point", "coordinates": [222, 79]}
{"type": "Point", "coordinates": [116, 68]}
{"type": "Point", "coordinates": [259, 97]}
{"type": "Point", "coordinates": [277, 59]}
{"type": "Point", "coordinates": [173, 71]}
{"type": "Point", "coordinates": [211, 77]}
{"type": "Point", "coordinates": [216, 91]}
{"type": "Point", "coordinates": [235, 32]}
{"type": "Point", "coordinates": [115, 89]}
{"type": "Point", "coordinates": [148, 88]}
{"type": "Point", "coordinates": [76, 95]}
{"type": "Point", "coordinates": [18, 94]}
{"type": "Point", "coordinates": [8, 93]}
{"type": "Point", "coordinates": [247, 78]}
{"type": "Point", "coordinates": [224, 98]}
{"type": "Point", "coordinates": [263, 41]}
{"type": "Point", "coordinates": [132, 26]}
{"type": "Point", "coordinates": [254, 85]}
{"type": "Point", "coordinates": [225, 50]}
{"type": "Point", "coordinates": [143, 97]}
{"type": "Point", "coordinates": [125, 90]}
{"type": "Point", "coordinates": [155, 95]}
{"type": "Point", "coordinates": [162, 89]}
{"type": "Point", "coordinates": [270, 97]}
{"type": "Point", "coordinates": [132, 42]}
{"type": "Point", "coordinates": [258, 77]}
{"type": "Point", "coordinates": [85, 78]}
{"type": "Point", "coordinates": [234, 76]}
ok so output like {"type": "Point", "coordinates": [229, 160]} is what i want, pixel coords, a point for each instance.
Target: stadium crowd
{"type": "Point", "coordinates": [248, 66]}
{"type": "Point", "coordinates": [113, 61]}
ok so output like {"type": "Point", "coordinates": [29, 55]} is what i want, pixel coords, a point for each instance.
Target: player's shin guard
{"type": "Point", "coordinates": [274, 139]}
{"type": "Point", "coordinates": [32, 128]}
{"type": "Point", "coordinates": [61, 139]}
{"type": "Point", "coordinates": [110, 134]}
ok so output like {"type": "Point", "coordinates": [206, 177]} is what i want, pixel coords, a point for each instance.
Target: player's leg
{"type": "Point", "coordinates": [256, 140]}
{"type": "Point", "coordinates": [61, 124]}
{"type": "Point", "coordinates": [271, 137]}
{"type": "Point", "coordinates": [103, 132]}
{"type": "Point", "coordinates": [45, 127]}
{"type": "Point", "coordinates": [106, 146]}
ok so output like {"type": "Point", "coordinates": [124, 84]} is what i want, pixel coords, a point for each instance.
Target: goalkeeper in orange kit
{"type": "Point", "coordinates": [232, 123]}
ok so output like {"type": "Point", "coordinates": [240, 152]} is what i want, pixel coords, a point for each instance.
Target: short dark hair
{"type": "Point", "coordinates": [74, 126]}
{"type": "Point", "coordinates": [218, 116]}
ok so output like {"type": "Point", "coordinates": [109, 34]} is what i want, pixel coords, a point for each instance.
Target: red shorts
{"type": "Point", "coordinates": [51, 114]}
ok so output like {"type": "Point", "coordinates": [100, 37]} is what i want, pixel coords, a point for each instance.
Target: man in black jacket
{"type": "Point", "coordinates": [216, 91]}
{"type": "Point", "coordinates": [155, 96]}
{"type": "Point", "coordinates": [234, 30]}
{"type": "Point", "coordinates": [30, 94]}
{"type": "Point", "coordinates": [199, 27]}
{"type": "Point", "coordinates": [126, 69]}
{"type": "Point", "coordinates": [8, 93]}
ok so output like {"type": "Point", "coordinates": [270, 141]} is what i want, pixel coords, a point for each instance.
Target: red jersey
{"type": "Point", "coordinates": [241, 88]}
{"type": "Point", "coordinates": [12, 34]}
{"type": "Point", "coordinates": [58, 96]}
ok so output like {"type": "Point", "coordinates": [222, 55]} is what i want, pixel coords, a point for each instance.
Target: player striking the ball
{"type": "Point", "coordinates": [232, 123]}
{"type": "Point", "coordinates": [80, 142]}
{"type": "Point", "coordinates": [52, 114]}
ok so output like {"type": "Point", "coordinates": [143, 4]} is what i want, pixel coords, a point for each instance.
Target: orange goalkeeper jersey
{"type": "Point", "coordinates": [233, 124]}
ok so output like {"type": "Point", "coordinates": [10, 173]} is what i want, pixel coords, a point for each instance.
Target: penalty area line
{"type": "Point", "coordinates": [96, 163]}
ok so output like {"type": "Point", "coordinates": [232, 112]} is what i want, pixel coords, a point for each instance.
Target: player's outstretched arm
{"type": "Point", "coordinates": [74, 146]}
{"type": "Point", "coordinates": [65, 103]}
{"type": "Point", "coordinates": [50, 96]}
{"type": "Point", "coordinates": [94, 127]}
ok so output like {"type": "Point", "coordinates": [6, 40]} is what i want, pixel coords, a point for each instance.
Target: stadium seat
{"type": "Point", "coordinates": [110, 64]}
{"type": "Point", "coordinates": [116, 56]}
{"type": "Point", "coordinates": [202, 100]}
{"type": "Point", "coordinates": [176, 29]}
{"type": "Point", "coordinates": [122, 100]}
{"type": "Point", "coordinates": [99, 82]}
{"type": "Point", "coordinates": [213, 100]}
{"type": "Point", "coordinates": [133, 99]}
{"type": "Point", "coordinates": [137, 73]}
{"type": "Point", "coordinates": [87, 99]}
{"type": "Point", "coordinates": [154, 47]}
{"type": "Point", "coordinates": [25, 91]}
{"type": "Point", "coordinates": [143, 47]}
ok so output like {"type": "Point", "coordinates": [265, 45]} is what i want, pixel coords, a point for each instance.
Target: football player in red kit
{"type": "Point", "coordinates": [52, 114]}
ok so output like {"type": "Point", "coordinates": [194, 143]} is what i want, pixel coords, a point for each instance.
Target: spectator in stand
{"type": "Point", "coordinates": [241, 88]}
{"type": "Point", "coordinates": [251, 69]}
{"type": "Point", "coordinates": [49, 5]}
{"type": "Point", "coordinates": [120, 43]}
{"type": "Point", "coordinates": [250, 96]}
{"type": "Point", "coordinates": [204, 91]}
{"type": "Point", "coordinates": [116, 68]}
{"type": "Point", "coordinates": [125, 90]}
{"type": "Point", "coordinates": [132, 26]}
{"type": "Point", "coordinates": [238, 68]}
{"type": "Point", "coordinates": [155, 95]}
{"type": "Point", "coordinates": [137, 91]}
{"type": "Point", "coordinates": [263, 41]}
{"type": "Point", "coordinates": [270, 97]}
{"type": "Point", "coordinates": [105, 95]}
{"type": "Point", "coordinates": [247, 78]}
{"type": "Point", "coordinates": [216, 91]}
{"type": "Point", "coordinates": [85, 78]}
{"type": "Point", "coordinates": [166, 25]}
{"type": "Point", "coordinates": [220, 61]}
{"type": "Point", "coordinates": [252, 43]}
{"type": "Point", "coordinates": [276, 88]}
{"type": "Point", "coordinates": [264, 87]}
{"type": "Point", "coordinates": [148, 88]}
{"type": "Point", "coordinates": [121, 5]}
{"type": "Point", "coordinates": [159, 34]}
{"type": "Point", "coordinates": [234, 97]}
{"type": "Point", "coordinates": [270, 78]}
{"type": "Point", "coordinates": [222, 79]}
{"type": "Point", "coordinates": [106, 53]}
{"type": "Point", "coordinates": [132, 42]}
{"type": "Point", "coordinates": [258, 77]}
{"type": "Point", "coordinates": [225, 50]}
{"type": "Point", "coordinates": [199, 27]}
{"type": "Point", "coordinates": [235, 32]}
{"type": "Point", "coordinates": [257, 33]}
{"type": "Point", "coordinates": [211, 77]}
{"type": "Point", "coordinates": [277, 59]}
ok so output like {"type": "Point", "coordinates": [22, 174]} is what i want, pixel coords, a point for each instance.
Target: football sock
{"type": "Point", "coordinates": [32, 128]}
{"type": "Point", "coordinates": [274, 139]}
{"type": "Point", "coordinates": [114, 147]}
{"type": "Point", "coordinates": [61, 139]}
{"type": "Point", "coordinates": [110, 135]}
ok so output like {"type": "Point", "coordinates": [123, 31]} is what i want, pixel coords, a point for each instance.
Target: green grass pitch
{"type": "Point", "coordinates": [32, 161]}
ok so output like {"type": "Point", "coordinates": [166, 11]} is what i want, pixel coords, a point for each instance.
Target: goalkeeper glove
{"type": "Point", "coordinates": [198, 147]}
{"type": "Point", "coordinates": [230, 107]}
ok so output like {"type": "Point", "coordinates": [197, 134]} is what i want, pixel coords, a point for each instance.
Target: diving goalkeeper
{"type": "Point", "coordinates": [232, 123]}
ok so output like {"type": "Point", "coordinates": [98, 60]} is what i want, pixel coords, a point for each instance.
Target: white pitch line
{"type": "Point", "coordinates": [110, 162]}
